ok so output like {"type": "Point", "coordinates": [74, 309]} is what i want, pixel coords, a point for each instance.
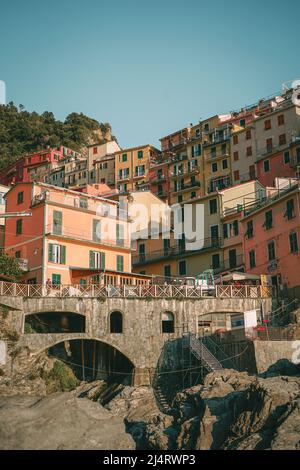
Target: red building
{"type": "Point", "coordinates": [26, 167]}
{"type": "Point", "coordinates": [277, 164]}
{"type": "Point", "coordinates": [271, 236]}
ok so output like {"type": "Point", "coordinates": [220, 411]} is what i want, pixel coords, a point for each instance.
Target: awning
{"type": "Point", "coordinates": [238, 276]}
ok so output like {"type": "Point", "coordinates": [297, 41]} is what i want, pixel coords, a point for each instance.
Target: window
{"type": "Point", "coordinates": [214, 234]}
{"type": "Point", "coordinates": [96, 230]}
{"type": "Point", "coordinates": [293, 242]}
{"type": "Point", "coordinates": [271, 251]}
{"type": "Point", "coordinates": [56, 279]}
{"type": "Point", "coordinates": [97, 260]}
{"type": "Point", "coordinates": [235, 139]}
{"type": "Point", "coordinates": [252, 172]}
{"type": "Point", "coordinates": [236, 175]}
{"type": "Point", "coordinates": [232, 259]}
{"type": "Point", "coordinates": [298, 155]}
{"type": "Point", "coordinates": [286, 157]}
{"type": "Point", "coordinates": [182, 268]}
{"type": "Point", "coordinates": [120, 234]}
{"type": "Point", "coordinates": [290, 209]}
{"type": "Point", "coordinates": [225, 164]}
{"type": "Point", "coordinates": [269, 144]}
{"type": "Point", "coordinates": [56, 253]}
{"type": "Point", "coordinates": [116, 322]}
{"type": "Point", "coordinates": [266, 166]}
{"type": "Point", "coordinates": [235, 156]}
{"type": "Point", "coordinates": [142, 253]}
{"type": "Point", "coordinates": [18, 254]}
{"type": "Point", "coordinates": [249, 151]}
{"type": "Point", "coordinates": [224, 149]}
{"type": "Point", "coordinates": [249, 232]}
{"type": "Point", "coordinates": [280, 119]}
{"type": "Point", "coordinates": [213, 152]}
{"type": "Point", "coordinates": [140, 170]}
{"type": "Point", "coordinates": [19, 224]}
{"type": "Point", "coordinates": [268, 124]}
{"type": "Point", "coordinates": [196, 150]}
{"type": "Point", "coordinates": [57, 222]}
{"type": "Point", "coordinates": [252, 259]}
{"type": "Point", "coordinates": [268, 220]}
{"type": "Point", "coordinates": [193, 194]}
{"type": "Point", "coordinates": [167, 271]}
{"type": "Point", "coordinates": [2, 199]}
{"type": "Point", "coordinates": [235, 228]}
{"type": "Point", "coordinates": [95, 150]}
{"type": "Point", "coordinates": [213, 206]}
{"type": "Point", "coordinates": [20, 197]}
{"type": "Point", "coordinates": [248, 135]}
{"type": "Point", "coordinates": [120, 263]}
{"type": "Point", "coordinates": [242, 122]}
{"type": "Point", "coordinates": [215, 261]}
{"type": "Point", "coordinates": [140, 154]}
{"type": "Point", "coordinates": [282, 139]}
{"type": "Point", "coordinates": [167, 322]}
{"type": "Point", "coordinates": [83, 203]}
{"type": "Point", "coordinates": [206, 127]}
{"type": "Point", "coordinates": [180, 198]}
{"type": "Point", "coordinates": [214, 167]}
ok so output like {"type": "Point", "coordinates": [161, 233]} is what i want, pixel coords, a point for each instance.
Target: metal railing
{"type": "Point", "coordinates": [10, 289]}
{"type": "Point", "coordinates": [208, 243]}
{"type": "Point", "coordinates": [265, 201]}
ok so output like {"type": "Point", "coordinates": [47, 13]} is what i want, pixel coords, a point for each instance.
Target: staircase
{"type": "Point", "coordinates": [202, 353]}
{"type": "Point", "coordinates": [162, 402]}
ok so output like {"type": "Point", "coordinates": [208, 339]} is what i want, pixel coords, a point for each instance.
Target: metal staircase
{"type": "Point", "coordinates": [202, 353]}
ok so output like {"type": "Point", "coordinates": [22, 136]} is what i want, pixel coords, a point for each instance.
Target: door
{"type": "Point", "coordinates": [214, 234]}
{"type": "Point", "coordinates": [232, 259]}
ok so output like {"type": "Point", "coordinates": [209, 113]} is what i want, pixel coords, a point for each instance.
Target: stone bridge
{"type": "Point", "coordinates": [142, 338]}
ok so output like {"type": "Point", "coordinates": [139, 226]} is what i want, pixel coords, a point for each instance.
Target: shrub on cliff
{"type": "Point", "coordinates": [61, 378]}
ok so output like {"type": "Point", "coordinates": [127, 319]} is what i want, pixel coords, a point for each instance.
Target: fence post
{"type": "Point", "coordinates": [231, 290]}
{"type": "Point", "coordinates": [1, 288]}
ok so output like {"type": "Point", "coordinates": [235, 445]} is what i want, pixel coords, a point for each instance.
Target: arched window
{"type": "Point", "coordinates": [116, 322]}
{"type": "Point", "coordinates": [167, 322]}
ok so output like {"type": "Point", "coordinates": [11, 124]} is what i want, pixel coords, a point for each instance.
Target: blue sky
{"type": "Point", "coordinates": [147, 67]}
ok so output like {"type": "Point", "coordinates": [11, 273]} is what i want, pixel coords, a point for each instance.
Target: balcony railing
{"type": "Point", "coordinates": [74, 233]}
{"type": "Point", "coordinates": [266, 201]}
{"type": "Point", "coordinates": [195, 184]}
{"type": "Point", "coordinates": [220, 183]}
{"type": "Point", "coordinates": [214, 156]}
{"type": "Point", "coordinates": [229, 264]}
{"type": "Point", "coordinates": [154, 291]}
{"type": "Point", "coordinates": [174, 251]}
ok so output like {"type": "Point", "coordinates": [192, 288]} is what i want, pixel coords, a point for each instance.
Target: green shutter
{"type": "Point", "coordinates": [62, 254]}
{"type": "Point", "coordinates": [120, 263]}
{"type": "Point", "coordinates": [92, 260]}
{"type": "Point", "coordinates": [96, 230]}
{"type": "Point", "coordinates": [50, 252]}
{"type": "Point", "coordinates": [102, 260]}
{"type": "Point", "coordinates": [56, 279]}
{"type": "Point", "coordinates": [57, 222]}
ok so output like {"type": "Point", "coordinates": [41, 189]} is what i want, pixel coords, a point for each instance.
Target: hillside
{"type": "Point", "coordinates": [24, 132]}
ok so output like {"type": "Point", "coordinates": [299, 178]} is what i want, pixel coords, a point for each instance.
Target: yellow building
{"type": "Point", "coordinates": [132, 167]}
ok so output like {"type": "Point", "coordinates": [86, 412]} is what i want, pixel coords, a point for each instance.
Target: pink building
{"type": "Point", "coordinates": [271, 236]}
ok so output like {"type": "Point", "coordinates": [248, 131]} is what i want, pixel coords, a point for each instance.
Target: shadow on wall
{"type": "Point", "coordinates": [282, 367]}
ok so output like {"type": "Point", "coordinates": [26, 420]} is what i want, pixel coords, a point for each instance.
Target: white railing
{"type": "Point", "coordinates": [136, 291]}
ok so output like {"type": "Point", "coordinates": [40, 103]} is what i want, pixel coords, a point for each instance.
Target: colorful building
{"type": "Point", "coordinates": [132, 167]}
{"type": "Point", "coordinates": [3, 191]}
{"type": "Point", "coordinates": [70, 237]}
{"type": "Point", "coordinates": [271, 236]}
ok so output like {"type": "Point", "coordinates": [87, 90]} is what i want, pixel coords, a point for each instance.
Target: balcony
{"type": "Point", "coordinates": [220, 183]}
{"type": "Point", "coordinates": [184, 187]}
{"type": "Point", "coordinates": [229, 264]}
{"type": "Point", "coordinates": [175, 251]}
{"type": "Point", "coordinates": [217, 155]}
{"type": "Point", "coordinates": [157, 179]}
{"type": "Point", "coordinates": [266, 201]}
{"type": "Point", "coordinates": [77, 234]}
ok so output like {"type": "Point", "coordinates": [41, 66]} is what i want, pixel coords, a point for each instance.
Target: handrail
{"type": "Point", "coordinates": [11, 289]}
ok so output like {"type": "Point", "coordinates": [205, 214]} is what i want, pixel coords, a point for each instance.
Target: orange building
{"type": "Point", "coordinates": [70, 238]}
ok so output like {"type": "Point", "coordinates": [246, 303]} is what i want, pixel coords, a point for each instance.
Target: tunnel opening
{"type": "Point", "coordinates": [93, 360]}
{"type": "Point", "coordinates": [54, 322]}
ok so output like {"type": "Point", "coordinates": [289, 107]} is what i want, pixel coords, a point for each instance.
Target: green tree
{"type": "Point", "coordinates": [9, 266]}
